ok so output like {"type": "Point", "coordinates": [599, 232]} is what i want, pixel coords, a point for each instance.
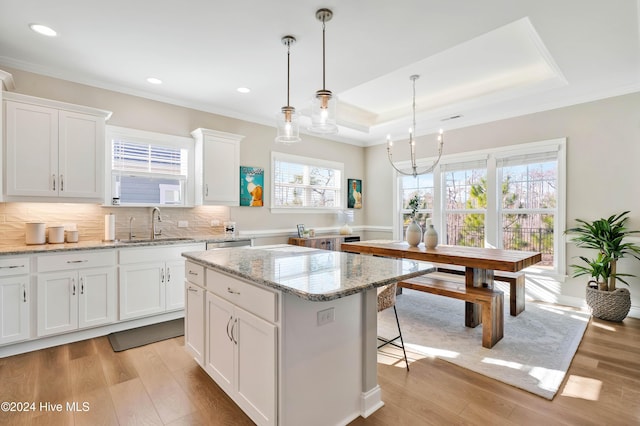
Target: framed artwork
{"type": "Point", "coordinates": [354, 193]}
{"type": "Point", "coordinates": [300, 230]}
{"type": "Point", "coordinates": [251, 186]}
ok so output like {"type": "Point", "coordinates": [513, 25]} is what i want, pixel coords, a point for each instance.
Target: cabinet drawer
{"type": "Point", "coordinates": [194, 273]}
{"type": "Point", "coordinates": [259, 301]}
{"type": "Point", "coordinates": [75, 260]}
{"type": "Point", "coordinates": [14, 266]}
{"type": "Point", "coordinates": [153, 254]}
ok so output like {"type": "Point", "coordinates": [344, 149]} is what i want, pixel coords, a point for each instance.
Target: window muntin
{"type": "Point", "coordinates": [423, 187]}
{"type": "Point", "coordinates": [306, 183]}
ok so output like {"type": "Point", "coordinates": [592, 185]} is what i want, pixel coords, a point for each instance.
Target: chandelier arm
{"type": "Point", "coordinates": [390, 157]}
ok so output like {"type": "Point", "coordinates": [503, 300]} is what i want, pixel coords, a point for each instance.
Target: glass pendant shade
{"type": "Point", "coordinates": [323, 113]}
{"type": "Point", "coordinates": [288, 128]}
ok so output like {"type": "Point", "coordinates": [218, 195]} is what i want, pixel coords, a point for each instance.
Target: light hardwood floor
{"type": "Point", "coordinates": [161, 384]}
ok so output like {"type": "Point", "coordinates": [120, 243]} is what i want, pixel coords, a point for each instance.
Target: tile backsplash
{"type": "Point", "coordinates": [89, 220]}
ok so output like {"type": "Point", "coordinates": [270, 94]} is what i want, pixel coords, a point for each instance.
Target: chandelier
{"type": "Point", "coordinates": [287, 119]}
{"type": "Point", "coordinates": [412, 143]}
{"type": "Point", "coordinates": [323, 104]}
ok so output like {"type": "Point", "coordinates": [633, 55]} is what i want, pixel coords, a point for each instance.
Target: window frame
{"type": "Point", "coordinates": [493, 232]}
{"type": "Point", "coordinates": [313, 162]}
{"type": "Point", "coordinates": [153, 138]}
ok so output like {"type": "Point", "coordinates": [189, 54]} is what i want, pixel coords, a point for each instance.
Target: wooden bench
{"type": "Point", "coordinates": [516, 282]}
{"type": "Point", "coordinates": [491, 301]}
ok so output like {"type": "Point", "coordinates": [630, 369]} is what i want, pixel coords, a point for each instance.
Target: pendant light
{"type": "Point", "coordinates": [287, 119]}
{"type": "Point", "coordinates": [412, 143]}
{"type": "Point", "coordinates": [323, 104]}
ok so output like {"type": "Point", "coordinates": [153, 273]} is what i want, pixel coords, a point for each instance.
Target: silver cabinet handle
{"type": "Point", "coordinates": [53, 178]}
{"type": "Point", "coordinates": [73, 283]}
{"type": "Point", "coordinates": [232, 291]}
{"type": "Point", "coordinates": [11, 266]}
{"type": "Point", "coordinates": [193, 273]}
{"type": "Point", "coordinates": [24, 294]}
{"type": "Point", "coordinates": [81, 285]}
{"type": "Point", "coordinates": [162, 276]}
{"type": "Point", "coordinates": [77, 261]}
{"type": "Point", "coordinates": [228, 334]}
{"type": "Point", "coordinates": [195, 290]}
{"type": "Point", "coordinates": [168, 274]}
{"type": "Point", "coordinates": [206, 189]}
{"type": "Point", "coordinates": [61, 182]}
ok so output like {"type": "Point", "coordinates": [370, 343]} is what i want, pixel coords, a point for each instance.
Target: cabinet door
{"type": "Point", "coordinates": [32, 150]}
{"type": "Point", "coordinates": [219, 350]}
{"type": "Point", "coordinates": [174, 282]}
{"type": "Point", "coordinates": [194, 321]}
{"type": "Point", "coordinates": [97, 298]}
{"type": "Point", "coordinates": [14, 309]}
{"type": "Point", "coordinates": [142, 290]}
{"type": "Point", "coordinates": [255, 378]}
{"type": "Point", "coordinates": [57, 302]}
{"type": "Point", "coordinates": [221, 172]}
{"type": "Point", "coordinates": [80, 155]}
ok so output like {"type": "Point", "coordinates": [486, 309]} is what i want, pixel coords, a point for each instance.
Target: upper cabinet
{"type": "Point", "coordinates": [53, 150]}
{"type": "Point", "coordinates": [217, 167]}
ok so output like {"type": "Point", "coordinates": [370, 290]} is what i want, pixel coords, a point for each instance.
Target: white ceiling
{"type": "Point", "coordinates": [481, 60]}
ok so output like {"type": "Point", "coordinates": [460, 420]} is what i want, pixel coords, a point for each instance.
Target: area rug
{"type": "Point", "coordinates": [127, 339]}
{"type": "Point", "coordinates": [534, 354]}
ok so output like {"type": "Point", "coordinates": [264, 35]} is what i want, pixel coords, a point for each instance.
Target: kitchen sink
{"type": "Point", "coordinates": [156, 240]}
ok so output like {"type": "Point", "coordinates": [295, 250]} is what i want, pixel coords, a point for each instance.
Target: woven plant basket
{"type": "Point", "coordinates": [609, 305]}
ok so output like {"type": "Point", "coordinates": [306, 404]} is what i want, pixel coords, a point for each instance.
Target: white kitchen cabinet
{"type": "Point", "coordinates": [241, 345]}
{"type": "Point", "coordinates": [75, 291]}
{"type": "Point", "coordinates": [69, 142]}
{"type": "Point", "coordinates": [217, 175]}
{"type": "Point", "coordinates": [14, 299]}
{"type": "Point", "coordinates": [151, 280]}
{"type": "Point", "coordinates": [240, 356]}
{"type": "Point", "coordinates": [194, 333]}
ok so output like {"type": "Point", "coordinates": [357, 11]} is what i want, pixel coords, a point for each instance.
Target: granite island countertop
{"type": "Point", "coordinates": [19, 249]}
{"type": "Point", "coordinates": [311, 274]}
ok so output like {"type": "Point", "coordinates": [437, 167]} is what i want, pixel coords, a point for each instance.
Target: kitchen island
{"type": "Point", "coordinates": [290, 333]}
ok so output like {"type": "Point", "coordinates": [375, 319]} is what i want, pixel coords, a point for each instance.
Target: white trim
{"type": "Point", "coordinates": [7, 81]}
{"type": "Point", "coordinates": [19, 97]}
{"type": "Point", "coordinates": [371, 401]}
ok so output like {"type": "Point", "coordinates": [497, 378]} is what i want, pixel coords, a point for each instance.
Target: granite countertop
{"type": "Point", "coordinates": [311, 274]}
{"type": "Point", "coordinates": [96, 245]}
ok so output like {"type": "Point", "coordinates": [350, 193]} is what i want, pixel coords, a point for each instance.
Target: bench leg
{"type": "Point", "coordinates": [493, 321]}
{"type": "Point", "coordinates": [516, 296]}
{"type": "Point", "coordinates": [474, 277]}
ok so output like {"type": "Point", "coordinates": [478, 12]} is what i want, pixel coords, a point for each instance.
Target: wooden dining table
{"type": "Point", "coordinates": [479, 263]}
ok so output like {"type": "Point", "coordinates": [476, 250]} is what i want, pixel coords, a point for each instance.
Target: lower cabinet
{"type": "Point", "coordinates": [75, 298]}
{"type": "Point", "coordinates": [231, 330]}
{"type": "Point", "coordinates": [14, 300]}
{"type": "Point", "coordinates": [240, 356]}
{"type": "Point", "coordinates": [151, 280]}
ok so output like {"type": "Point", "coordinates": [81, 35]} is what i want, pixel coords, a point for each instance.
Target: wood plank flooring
{"type": "Point", "coordinates": [160, 384]}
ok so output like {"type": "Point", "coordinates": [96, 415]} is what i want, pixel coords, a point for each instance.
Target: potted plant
{"type": "Point", "coordinates": [414, 231]}
{"type": "Point", "coordinates": [607, 236]}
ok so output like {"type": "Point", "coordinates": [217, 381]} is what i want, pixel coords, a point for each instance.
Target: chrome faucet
{"type": "Point", "coordinates": [155, 233]}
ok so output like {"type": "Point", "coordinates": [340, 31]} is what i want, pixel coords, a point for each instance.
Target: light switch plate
{"type": "Point", "coordinates": [183, 223]}
{"type": "Point", "coordinates": [326, 316]}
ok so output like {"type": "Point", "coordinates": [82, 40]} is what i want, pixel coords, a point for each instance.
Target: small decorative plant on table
{"type": "Point", "coordinates": [607, 237]}
{"type": "Point", "coordinates": [414, 231]}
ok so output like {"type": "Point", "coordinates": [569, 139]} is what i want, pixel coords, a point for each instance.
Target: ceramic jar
{"type": "Point", "coordinates": [413, 234]}
{"type": "Point", "coordinates": [430, 237]}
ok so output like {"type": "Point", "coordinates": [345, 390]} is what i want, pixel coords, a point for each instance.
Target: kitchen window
{"type": "Point", "coordinates": [305, 184]}
{"type": "Point", "coordinates": [149, 168]}
{"type": "Point", "coordinates": [510, 197]}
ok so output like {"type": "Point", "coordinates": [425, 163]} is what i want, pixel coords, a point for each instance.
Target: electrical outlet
{"type": "Point", "coordinates": [215, 222]}
{"type": "Point", "coordinates": [183, 223]}
{"type": "Point", "coordinates": [326, 316]}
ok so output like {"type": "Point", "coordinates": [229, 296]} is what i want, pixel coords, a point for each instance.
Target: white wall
{"type": "Point", "coordinates": [603, 170]}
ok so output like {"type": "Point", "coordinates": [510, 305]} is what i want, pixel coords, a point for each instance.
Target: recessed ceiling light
{"type": "Point", "coordinates": [154, 80]}
{"type": "Point", "coordinates": [43, 29]}
{"type": "Point", "coordinates": [243, 89]}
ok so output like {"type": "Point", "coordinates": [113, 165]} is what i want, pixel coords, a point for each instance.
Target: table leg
{"type": "Point", "coordinates": [475, 277]}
